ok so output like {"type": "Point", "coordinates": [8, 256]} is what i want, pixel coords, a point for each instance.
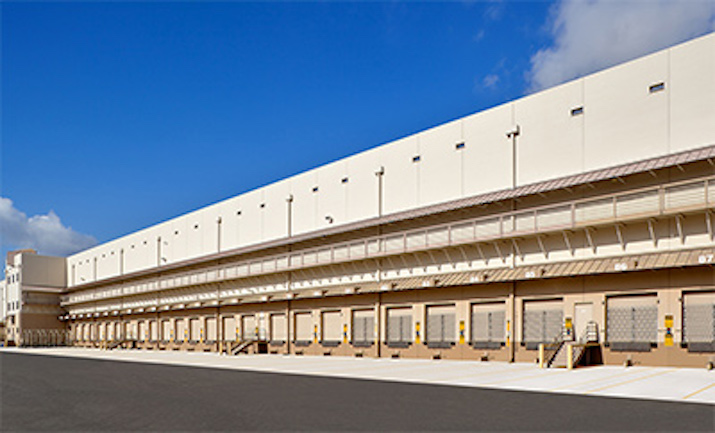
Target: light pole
{"type": "Point", "coordinates": [512, 135]}
{"type": "Point", "coordinates": [380, 173]}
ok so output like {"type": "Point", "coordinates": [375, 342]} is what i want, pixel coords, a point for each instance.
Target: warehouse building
{"type": "Point", "coordinates": [579, 215]}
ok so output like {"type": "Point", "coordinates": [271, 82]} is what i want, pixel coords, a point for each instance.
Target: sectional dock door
{"type": "Point", "coordinates": [543, 322]}
{"type": "Point", "coordinates": [699, 321]}
{"type": "Point", "coordinates": [182, 333]}
{"type": "Point", "coordinates": [154, 330]}
{"type": "Point", "coordinates": [441, 326]}
{"type": "Point", "coordinates": [211, 330]}
{"type": "Point", "coordinates": [195, 329]}
{"type": "Point", "coordinates": [166, 330]}
{"type": "Point", "coordinates": [143, 335]}
{"type": "Point", "coordinates": [279, 329]}
{"type": "Point", "coordinates": [230, 333]}
{"type": "Point", "coordinates": [399, 326]}
{"type": "Point", "coordinates": [303, 328]}
{"type": "Point", "coordinates": [363, 327]}
{"type": "Point", "coordinates": [632, 322]}
{"type": "Point", "coordinates": [248, 327]}
{"type": "Point", "coordinates": [331, 328]}
{"type": "Point", "coordinates": [487, 323]}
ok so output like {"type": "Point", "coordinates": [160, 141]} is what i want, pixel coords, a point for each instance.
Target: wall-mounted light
{"type": "Point", "coordinates": [514, 132]}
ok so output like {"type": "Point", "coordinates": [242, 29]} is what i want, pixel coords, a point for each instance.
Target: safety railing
{"type": "Point", "coordinates": [671, 198]}
{"type": "Point", "coordinates": [43, 337]}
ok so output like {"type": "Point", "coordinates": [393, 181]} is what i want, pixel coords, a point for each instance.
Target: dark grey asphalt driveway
{"type": "Point", "coordinates": [53, 393]}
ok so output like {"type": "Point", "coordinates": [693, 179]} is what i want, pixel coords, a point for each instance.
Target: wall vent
{"type": "Point", "coordinates": [656, 87]}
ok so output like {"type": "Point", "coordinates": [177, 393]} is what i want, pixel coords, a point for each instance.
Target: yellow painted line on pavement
{"type": "Point", "coordinates": [699, 391]}
{"type": "Point", "coordinates": [486, 373]}
{"type": "Point", "coordinates": [630, 381]}
{"type": "Point", "coordinates": [386, 368]}
{"type": "Point", "coordinates": [598, 379]}
{"type": "Point", "coordinates": [514, 379]}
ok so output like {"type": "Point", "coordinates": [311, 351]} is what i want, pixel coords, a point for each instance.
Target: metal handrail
{"type": "Point", "coordinates": [377, 246]}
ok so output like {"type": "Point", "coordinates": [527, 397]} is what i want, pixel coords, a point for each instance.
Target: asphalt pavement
{"type": "Point", "coordinates": [40, 393]}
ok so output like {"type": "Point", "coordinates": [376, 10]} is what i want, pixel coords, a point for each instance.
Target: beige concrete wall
{"type": "Point", "coordinates": [43, 271]}
{"type": "Point", "coordinates": [668, 285]}
{"type": "Point", "coordinates": [622, 122]}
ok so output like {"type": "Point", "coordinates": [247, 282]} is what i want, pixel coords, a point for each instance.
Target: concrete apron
{"type": "Point", "coordinates": [657, 383]}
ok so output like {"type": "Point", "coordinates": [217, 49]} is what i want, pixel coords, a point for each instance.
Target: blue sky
{"type": "Point", "coordinates": [119, 115]}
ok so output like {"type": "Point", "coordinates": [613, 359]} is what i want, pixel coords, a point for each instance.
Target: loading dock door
{"type": "Point", "coordinates": [279, 329]}
{"type": "Point", "coordinates": [488, 322]}
{"type": "Point", "coordinates": [154, 330]}
{"type": "Point", "coordinates": [441, 327]}
{"type": "Point", "coordinates": [699, 321]}
{"type": "Point", "coordinates": [181, 331]}
{"type": "Point", "coordinates": [399, 326]}
{"type": "Point", "coordinates": [194, 330]}
{"type": "Point", "coordinates": [332, 328]}
{"type": "Point", "coordinates": [142, 331]}
{"type": "Point", "coordinates": [632, 322]}
{"type": "Point", "coordinates": [211, 330]}
{"type": "Point", "coordinates": [229, 329]}
{"type": "Point", "coordinates": [363, 329]}
{"type": "Point", "coordinates": [166, 330]}
{"type": "Point", "coordinates": [543, 322]}
{"type": "Point", "coordinates": [248, 327]}
{"type": "Point", "coordinates": [303, 328]}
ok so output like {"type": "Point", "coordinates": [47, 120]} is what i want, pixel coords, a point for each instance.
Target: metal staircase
{"type": "Point", "coordinates": [242, 346]}
{"type": "Point", "coordinates": [121, 344]}
{"type": "Point", "coordinates": [556, 354]}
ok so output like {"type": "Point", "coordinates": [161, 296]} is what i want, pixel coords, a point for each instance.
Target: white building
{"type": "Point", "coordinates": [30, 293]}
{"type": "Point", "coordinates": [582, 208]}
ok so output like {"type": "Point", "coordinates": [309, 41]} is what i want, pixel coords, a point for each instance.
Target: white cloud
{"type": "Point", "coordinates": [44, 233]}
{"type": "Point", "coordinates": [589, 35]}
{"type": "Point", "coordinates": [490, 81]}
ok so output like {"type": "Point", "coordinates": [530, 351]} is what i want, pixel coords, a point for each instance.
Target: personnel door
{"type": "Point", "coordinates": [583, 314]}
